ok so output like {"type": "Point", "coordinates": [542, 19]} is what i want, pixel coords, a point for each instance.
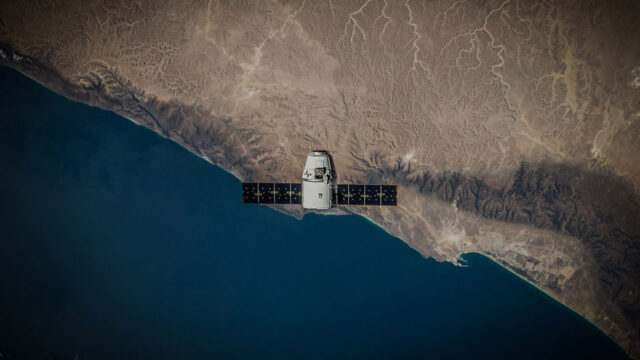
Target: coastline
{"type": "Point", "coordinates": [546, 293]}
{"type": "Point", "coordinates": [292, 213]}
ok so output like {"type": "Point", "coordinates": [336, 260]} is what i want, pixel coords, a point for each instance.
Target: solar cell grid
{"type": "Point", "coordinates": [343, 194]}
{"type": "Point", "coordinates": [356, 194]}
{"type": "Point", "coordinates": [266, 193]}
{"type": "Point", "coordinates": [389, 195]}
{"type": "Point", "coordinates": [296, 193]}
{"type": "Point", "coordinates": [372, 195]}
{"type": "Point", "coordinates": [250, 193]}
{"type": "Point", "coordinates": [282, 193]}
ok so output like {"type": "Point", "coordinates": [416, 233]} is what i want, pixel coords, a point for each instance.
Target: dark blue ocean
{"type": "Point", "coordinates": [119, 244]}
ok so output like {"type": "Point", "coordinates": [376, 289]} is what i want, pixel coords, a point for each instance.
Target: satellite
{"type": "Point", "coordinates": [319, 190]}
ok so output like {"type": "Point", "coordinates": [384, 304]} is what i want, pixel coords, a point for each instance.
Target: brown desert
{"type": "Point", "coordinates": [512, 128]}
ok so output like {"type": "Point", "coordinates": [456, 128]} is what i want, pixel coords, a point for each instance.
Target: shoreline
{"type": "Point", "coordinates": [303, 213]}
{"type": "Point", "coordinates": [455, 262]}
{"type": "Point", "coordinates": [547, 294]}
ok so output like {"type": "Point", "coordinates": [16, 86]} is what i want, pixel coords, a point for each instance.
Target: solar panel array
{"type": "Point", "coordinates": [271, 193]}
{"type": "Point", "coordinates": [351, 194]}
{"type": "Point", "coordinates": [348, 194]}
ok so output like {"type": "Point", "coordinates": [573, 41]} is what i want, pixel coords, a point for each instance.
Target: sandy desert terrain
{"type": "Point", "coordinates": [512, 127]}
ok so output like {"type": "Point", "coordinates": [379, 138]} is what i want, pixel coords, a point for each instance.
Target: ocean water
{"type": "Point", "coordinates": [118, 244]}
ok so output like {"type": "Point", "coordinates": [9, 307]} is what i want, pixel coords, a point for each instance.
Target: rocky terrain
{"type": "Point", "coordinates": [511, 127]}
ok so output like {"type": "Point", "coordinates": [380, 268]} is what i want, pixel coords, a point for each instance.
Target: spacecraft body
{"type": "Point", "coordinates": [317, 181]}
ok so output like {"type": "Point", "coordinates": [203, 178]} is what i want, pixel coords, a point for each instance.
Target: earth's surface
{"type": "Point", "coordinates": [511, 127]}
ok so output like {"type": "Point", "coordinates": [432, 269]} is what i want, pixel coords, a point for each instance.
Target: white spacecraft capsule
{"type": "Point", "coordinates": [317, 181]}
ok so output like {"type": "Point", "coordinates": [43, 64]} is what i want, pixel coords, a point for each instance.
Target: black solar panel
{"type": "Point", "coordinates": [389, 195]}
{"type": "Point", "coordinates": [266, 193]}
{"type": "Point", "coordinates": [296, 193]}
{"type": "Point", "coordinates": [282, 191]}
{"type": "Point", "coordinates": [250, 193]}
{"type": "Point", "coordinates": [372, 195]}
{"type": "Point", "coordinates": [285, 193]}
{"type": "Point", "coordinates": [356, 194]}
{"type": "Point", "coordinates": [343, 194]}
